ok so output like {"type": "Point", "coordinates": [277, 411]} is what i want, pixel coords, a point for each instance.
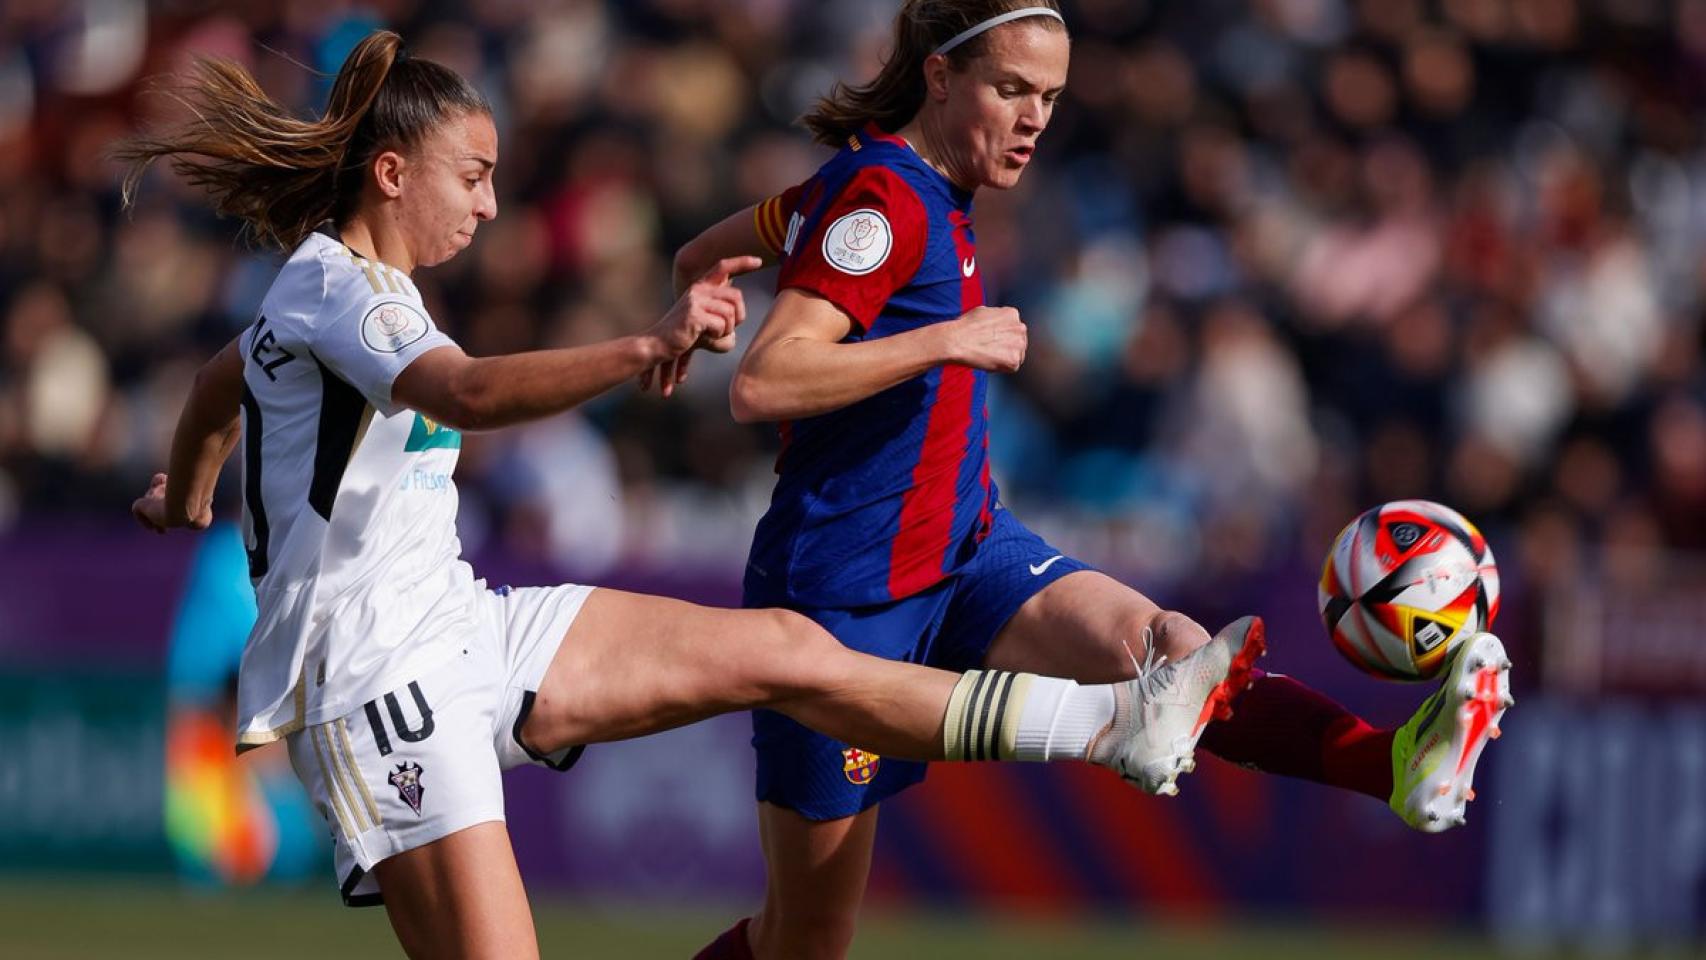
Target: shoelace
{"type": "Point", "coordinates": [1156, 673]}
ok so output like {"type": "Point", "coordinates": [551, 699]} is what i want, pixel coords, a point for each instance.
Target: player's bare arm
{"type": "Point", "coordinates": [485, 393]}
{"type": "Point", "coordinates": [208, 428]}
{"type": "Point", "coordinates": [797, 365]}
{"type": "Point", "coordinates": [737, 235]}
{"type": "Point", "coordinates": [734, 236]}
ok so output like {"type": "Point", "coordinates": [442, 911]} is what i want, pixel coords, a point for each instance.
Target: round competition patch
{"type": "Point", "coordinates": [858, 242]}
{"type": "Point", "coordinates": [391, 326]}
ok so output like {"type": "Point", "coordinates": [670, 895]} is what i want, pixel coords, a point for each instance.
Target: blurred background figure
{"type": "Point", "coordinates": [1281, 261]}
{"type": "Point", "coordinates": [227, 821]}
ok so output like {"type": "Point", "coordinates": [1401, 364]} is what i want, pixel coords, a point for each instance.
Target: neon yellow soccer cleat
{"type": "Point", "coordinates": [1434, 754]}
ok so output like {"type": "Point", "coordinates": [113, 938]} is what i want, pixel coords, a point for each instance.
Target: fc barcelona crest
{"type": "Point", "coordinates": [859, 765]}
{"type": "Point", "coordinates": [407, 780]}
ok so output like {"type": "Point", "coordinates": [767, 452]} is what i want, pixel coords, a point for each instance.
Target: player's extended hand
{"type": "Point", "coordinates": [704, 318]}
{"type": "Point", "coordinates": [988, 338]}
{"type": "Point", "coordinates": [150, 510]}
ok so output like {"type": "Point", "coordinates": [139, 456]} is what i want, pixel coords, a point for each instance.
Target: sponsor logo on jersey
{"type": "Point", "coordinates": [407, 780]}
{"type": "Point", "coordinates": [860, 766]}
{"type": "Point", "coordinates": [1038, 569]}
{"type": "Point", "coordinates": [858, 242]}
{"type": "Point", "coordinates": [427, 434]}
{"type": "Point", "coordinates": [392, 325]}
{"type": "Point", "coordinates": [426, 481]}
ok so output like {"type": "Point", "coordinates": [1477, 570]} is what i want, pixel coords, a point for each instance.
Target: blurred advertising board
{"type": "Point", "coordinates": [1598, 832]}
{"type": "Point", "coordinates": [1633, 632]}
{"type": "Point", "coordinates": [81, 771]}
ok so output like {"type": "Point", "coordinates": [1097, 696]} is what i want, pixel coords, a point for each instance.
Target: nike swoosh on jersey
{"type": "Point", "coordinates": [968, 266]}
{"type": "Point", "coordinates": [1037, 569]}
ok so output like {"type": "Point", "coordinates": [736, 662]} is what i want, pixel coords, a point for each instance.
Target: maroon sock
{"type": "Point", "coordinates": [1281, 726]}
{"type": "Point", "coordinates": [732, 945]}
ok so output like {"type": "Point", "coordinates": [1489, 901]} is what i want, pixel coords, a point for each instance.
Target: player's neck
{"type": "Point", "coordinates": [926, 141]}
{"type": "Point", "coordinates": [376, 243]}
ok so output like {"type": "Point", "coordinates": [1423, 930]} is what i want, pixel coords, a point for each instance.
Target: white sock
{"type": "Point", "coordinates": [998, 715]}
{"type": "Point", "coordinates": [1059, 718]}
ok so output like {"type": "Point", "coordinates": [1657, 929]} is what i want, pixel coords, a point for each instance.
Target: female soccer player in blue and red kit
{"type": "Point", "coordinates": [886, 527]}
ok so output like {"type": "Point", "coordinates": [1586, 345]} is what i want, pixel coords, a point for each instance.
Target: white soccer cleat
{"type": "Point", "coordinates": [1434, 754]}
{"type": "Point", "coordinates": [1159, 715]}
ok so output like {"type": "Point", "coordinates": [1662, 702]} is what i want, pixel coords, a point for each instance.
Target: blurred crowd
{"type": "Point", "coordinates": [1281, 260]}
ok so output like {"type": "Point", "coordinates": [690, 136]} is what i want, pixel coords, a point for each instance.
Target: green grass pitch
{"type": "Point", "coordinates": [139, 920]}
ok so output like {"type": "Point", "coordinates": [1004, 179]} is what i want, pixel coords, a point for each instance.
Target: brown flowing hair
{"type": "Point", "coordinates": [894, 96]}
{"type": "Point", "coordinates": [281, 175]}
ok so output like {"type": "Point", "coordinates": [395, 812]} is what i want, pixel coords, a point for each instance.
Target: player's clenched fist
{"type": "Point", "coordinates": [988, 338]}
{"type": "Point", "coordinates": [150, 510]}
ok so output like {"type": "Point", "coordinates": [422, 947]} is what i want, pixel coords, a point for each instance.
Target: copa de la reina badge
{"type": "Point", "coordinates": [392, 325]}
{"type": "Point", "coordinates": [858, 242]}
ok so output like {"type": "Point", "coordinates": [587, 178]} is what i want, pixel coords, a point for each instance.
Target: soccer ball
{"type": "Point", "coordinates": [1404, 585]}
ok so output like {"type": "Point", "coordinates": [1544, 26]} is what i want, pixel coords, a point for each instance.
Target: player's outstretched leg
{"type": "Point", "coordinates": [1434, 754]}
{"type": "Point", "coordinates": [1281, 726]}
{"type": "Point", "coordinates": [1085, 625]}
{"type": "Point", "coordinates": [632, 664]}
{"type": "Point", "coordinates": [1145, 729]}
{"type": "Point", "coordinates": [662, 663]}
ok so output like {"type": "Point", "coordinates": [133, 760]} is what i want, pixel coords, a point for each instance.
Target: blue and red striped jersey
{"type": "Point", "coordinates": [885, 497]}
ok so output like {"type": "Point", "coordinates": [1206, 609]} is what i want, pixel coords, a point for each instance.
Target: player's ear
{"type": "Point", "coordinates": [388, 173]}
{"type": "Point", "coordinates": [936, 68]}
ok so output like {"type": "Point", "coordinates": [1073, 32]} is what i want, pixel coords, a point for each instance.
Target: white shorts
{"type": "Point", "coordinates": [423, 761]}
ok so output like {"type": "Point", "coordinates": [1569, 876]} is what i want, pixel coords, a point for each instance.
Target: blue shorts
{"type": "Point", "coordinates": [950, 626]}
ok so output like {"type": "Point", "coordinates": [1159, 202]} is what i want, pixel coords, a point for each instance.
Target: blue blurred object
{"type": "Point", "coordinates": [228, 820]}
{"type": "Point", "coordinates": [213, 619]}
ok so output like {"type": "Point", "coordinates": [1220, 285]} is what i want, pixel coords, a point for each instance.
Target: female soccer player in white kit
{"type": "Point", "coordinates": [402, 685]}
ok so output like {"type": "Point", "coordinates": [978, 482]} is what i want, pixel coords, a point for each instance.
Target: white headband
{"type": "Point", "coordinates": [994, 22]}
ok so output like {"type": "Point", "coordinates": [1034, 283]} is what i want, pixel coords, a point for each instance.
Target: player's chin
{"type": "Point", "coordinates": [1004, 174]}
{"type": "Point", "coordinates": [456, 246]}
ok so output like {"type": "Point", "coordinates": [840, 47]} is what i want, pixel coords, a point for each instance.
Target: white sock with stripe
{"type": "Point", "coordinates": [1000, 715]}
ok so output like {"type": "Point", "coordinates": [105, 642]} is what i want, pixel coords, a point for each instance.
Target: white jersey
{"type": "Point", "coordinates": [349, 508]}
